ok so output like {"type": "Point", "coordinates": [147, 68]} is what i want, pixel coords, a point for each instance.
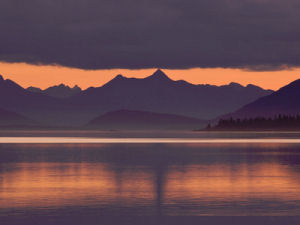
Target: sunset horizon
{"type": "Point", "coordinates": [149, 112]}
{"type": "Point", "coordinates": [44, 76]}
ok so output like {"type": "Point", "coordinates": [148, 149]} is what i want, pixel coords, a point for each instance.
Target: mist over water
{"type": "Point", "coordinates": [150, 183]}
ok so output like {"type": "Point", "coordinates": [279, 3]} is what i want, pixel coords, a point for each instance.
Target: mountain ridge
{"type": "Point", "coordinates": [13, 119]}
{"type": "Point", "coordinates": [285, 101]}
{"type": "Point", "coordinates": [134, 119]}
{"type": "Point", "coordinates": [159, 93]}
{"type": "Point", "coordinates": [156, 93]}
{"type": "Point", "coordinates": [57, 91]}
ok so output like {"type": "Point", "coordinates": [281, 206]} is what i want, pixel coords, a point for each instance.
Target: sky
{"type": "Point", "coordinates": [44, 76]}
{"type": "Point", "coordinates": [202, 41]}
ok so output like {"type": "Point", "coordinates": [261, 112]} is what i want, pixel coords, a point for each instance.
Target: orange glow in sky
{"type": "Point", "coordinates": [44, 76]}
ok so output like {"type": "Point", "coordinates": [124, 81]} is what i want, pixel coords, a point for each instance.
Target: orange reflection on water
{"type": "Point", "coordinates": [261, 180]}
{"type": "Point", "coordinates": [62, 184]}
{"type": "Point", "coordinates": [58, 184]}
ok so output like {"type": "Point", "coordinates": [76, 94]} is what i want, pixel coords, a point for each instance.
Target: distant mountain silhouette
{"type": "Point", "coordinates": [141, 120]}
{"type": "Point", "coordinates": [158, 93]}
{"type": "Point", "coordinates": [12, 119]}
{"type": "Point", "coordinates": [36, 106]}
{"type": "Point", "coordinates": [285, 101]}
{"type": "Point", "coordinates": [58, 91]}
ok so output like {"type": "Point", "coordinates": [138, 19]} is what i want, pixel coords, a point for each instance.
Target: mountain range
{"type": "Point", "coordinates": [285, 101]}
{"type": "Point", "coordinates": [8, 119]}
{"type": "Point", "coordinates": [156, 93]}
{"type": "Point", "coordinates": [141, 120]}
{"type": "Point", "coordinates": [58, 91]}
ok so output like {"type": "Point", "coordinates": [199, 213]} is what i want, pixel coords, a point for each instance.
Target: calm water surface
{"type": "Point", "coordinates": [150, 183]}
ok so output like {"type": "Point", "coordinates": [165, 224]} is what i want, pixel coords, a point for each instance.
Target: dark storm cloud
{"type": "Point", "coordinates": [95, 34]}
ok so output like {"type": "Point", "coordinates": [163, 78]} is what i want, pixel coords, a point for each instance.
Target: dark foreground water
{"type": "Point", "coordinates": [150, 183]}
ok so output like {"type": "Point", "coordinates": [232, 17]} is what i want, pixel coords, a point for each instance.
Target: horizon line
{"type": "Point", "coordinates": [44, 76]}
{"type": "Point", "coordinates": [126, 77]}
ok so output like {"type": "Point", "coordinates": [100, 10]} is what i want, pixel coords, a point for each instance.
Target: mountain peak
{"type": "Point", "coordinates": [65, 87]}
{"type": "Point", "coordinates": [116, 80]}
{"type": "Point", "coordinates": [159, 75]}
{"type": "Point", "coordinates": [159, 72]}
{"type": "Point", "coordinates": [62, 86]}
{"type": "Point", "coordinates": [119, 76]}
{"type": "Point", "coordinates": [76, 87]}
{"type": "Point", "coordinates": [234, 84]}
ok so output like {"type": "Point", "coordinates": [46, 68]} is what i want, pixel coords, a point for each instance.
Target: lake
{"type": "Point", "coordinates": [251, 178]}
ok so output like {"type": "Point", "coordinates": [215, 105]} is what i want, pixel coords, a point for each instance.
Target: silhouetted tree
{"type": "Point", "coordinates": [279, 122]}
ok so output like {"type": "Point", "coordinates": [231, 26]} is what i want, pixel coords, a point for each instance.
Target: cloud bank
{"type": "Point", "coordinates": [175, 34]}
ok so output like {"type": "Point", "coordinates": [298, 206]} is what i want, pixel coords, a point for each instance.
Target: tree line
{"type": "Point", "coordinates": [279, 122]}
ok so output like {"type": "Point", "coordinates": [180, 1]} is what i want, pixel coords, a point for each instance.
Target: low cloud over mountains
{"type": "Point", "coordinates": [92, 34]}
